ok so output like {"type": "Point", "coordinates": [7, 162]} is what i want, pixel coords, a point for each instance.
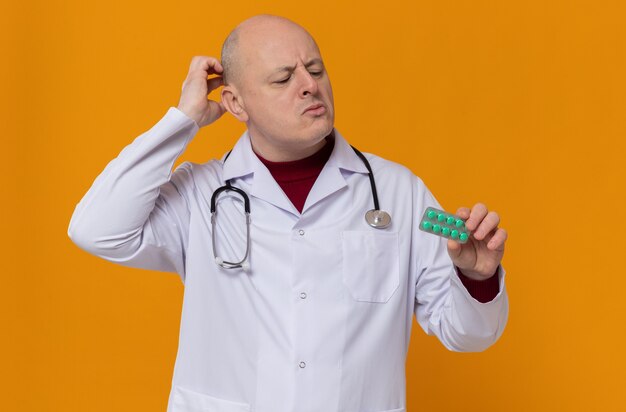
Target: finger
{"type": "Point", "coordinates": [489, 223]}
{"type": "Point", "coordinates": [196, 63]}
{"type": "Point", "coordinates": [214, 67]}
{"type": "Point", "coordinates": [209, 65]}
{"type": "Point", "coordinates": [214, 82]}
{"type": "Point", "coordinates": [478, 213]}
{"type": "Point", "coordinates": [217, 108]}
{"type": "Point", "coordinates": [497, 240]}
{"type": "Point", "coordinates": [463, 212]}
{"type": "Point", "coordinates": [454, 248]}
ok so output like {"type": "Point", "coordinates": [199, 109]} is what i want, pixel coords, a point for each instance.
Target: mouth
{"type": "Point", "coordinates": [316, 109]}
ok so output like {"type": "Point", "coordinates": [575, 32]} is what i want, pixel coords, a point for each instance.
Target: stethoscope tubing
{"type": "Point", "coordinates": [376, 218]}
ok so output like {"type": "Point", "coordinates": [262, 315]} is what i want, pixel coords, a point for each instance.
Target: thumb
{"type": "Point", "coordinates": [216, 110]}
{"type": "Point", "coordinates": [454, 248]}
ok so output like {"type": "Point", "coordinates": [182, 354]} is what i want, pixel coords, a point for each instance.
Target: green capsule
{"type": "Point", "coordinates": [450, 220]}
{"type": "Point", "coordinates": [431, 214]}
{"type": "Point", "coordinates": [463, 236]}
{"type": "Point", "coordinates": [454, 234]}
{"type": "Point", "coordinates": [445, 231]}
{"type": "Point", "coordinates": [441, 217]}
{"type": "Point", "coordinates": [426, 225]}
{"type": "Point", "coordinates": [459, 223]}
{"type": "Point", "coordinates": [436, 228]}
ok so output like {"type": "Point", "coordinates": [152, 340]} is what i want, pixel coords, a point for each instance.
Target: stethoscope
{"type": "Point", "coordinates": [376, 218]}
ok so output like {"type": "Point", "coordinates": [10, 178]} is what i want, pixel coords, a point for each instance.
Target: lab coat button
{"type": "Point", "coordinates": [302, 365]}
{"type": "Point", "coordinates": [302, 295]}
{"type": "Point", "coordinates": [301, 232]}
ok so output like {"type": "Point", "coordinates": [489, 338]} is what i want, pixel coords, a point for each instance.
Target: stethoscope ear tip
{"type": "Point", "coordinates": [219, 260]}
{"type": "Point", "coordinates": [245, 266]}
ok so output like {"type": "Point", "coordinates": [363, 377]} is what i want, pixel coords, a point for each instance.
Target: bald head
{"type": "Point", "coordinates": [229, 59]}
{"type": "Point", "coordinates": [255, 29]}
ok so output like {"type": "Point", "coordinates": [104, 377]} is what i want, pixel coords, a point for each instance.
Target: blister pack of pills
{"type": "Point", "coordinates": [441, 223]}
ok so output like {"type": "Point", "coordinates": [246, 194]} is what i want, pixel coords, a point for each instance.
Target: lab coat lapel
{"type": "Point", "coordinates": [331, 178]}
{"type": "Point", "coordinates": [242, 162]}
{"type": "Point", "coordinates": [264, 187]}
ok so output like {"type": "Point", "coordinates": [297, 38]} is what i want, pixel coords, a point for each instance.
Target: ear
{"type": "Point", "coordinates": [232, 101]}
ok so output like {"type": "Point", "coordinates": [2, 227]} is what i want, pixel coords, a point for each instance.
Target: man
{"type": "Point", "coordinates": [318, 317]}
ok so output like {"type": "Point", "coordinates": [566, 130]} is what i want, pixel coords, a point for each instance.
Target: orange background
{"type": "Point", "coordinates": [530, 95]}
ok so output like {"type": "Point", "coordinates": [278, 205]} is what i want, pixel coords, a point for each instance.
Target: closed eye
{"type": "Point", "coordinates": [286, 79]}
{"type": "Point", "coordinates": [283, 81]}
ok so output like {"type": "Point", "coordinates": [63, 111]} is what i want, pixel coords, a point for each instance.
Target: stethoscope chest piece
{"type": "Point", "coordinates": [377, 218]}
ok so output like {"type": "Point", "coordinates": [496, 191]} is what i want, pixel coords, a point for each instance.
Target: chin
{"type": "Point", "coordinates": [320, 131]}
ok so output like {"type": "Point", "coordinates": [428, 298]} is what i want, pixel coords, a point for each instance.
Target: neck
{"type": "Point", "coordinates": [285, 154]}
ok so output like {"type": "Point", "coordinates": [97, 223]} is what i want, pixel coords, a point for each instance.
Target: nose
{"type": "Point", "coordinates": [308, 85]}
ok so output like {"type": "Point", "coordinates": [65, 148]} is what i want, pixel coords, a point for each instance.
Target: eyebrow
{"type": "Point", "coordinates": [292, 68]}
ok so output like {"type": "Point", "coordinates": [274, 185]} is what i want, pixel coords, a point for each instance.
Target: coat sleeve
{"type": "Point", "coordinates": [136, 212]}
{"type": "Point", "coordinates": [443, 306]}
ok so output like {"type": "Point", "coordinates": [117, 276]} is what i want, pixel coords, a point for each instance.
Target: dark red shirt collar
{"type": "Point", "coordinates": [307, 168]}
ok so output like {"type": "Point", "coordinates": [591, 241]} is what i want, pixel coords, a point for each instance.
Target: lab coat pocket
{"type": "Point", "coordinates": [186, 400]}
{"type": "Point", "coordinates": [371, 265]}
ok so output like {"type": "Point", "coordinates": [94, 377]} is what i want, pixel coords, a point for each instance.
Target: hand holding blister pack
{"type": "Point", "coordinates": [444, 224]}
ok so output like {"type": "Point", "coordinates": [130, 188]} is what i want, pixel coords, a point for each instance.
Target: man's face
{"type": "Point", "coordinates": [284, 88]}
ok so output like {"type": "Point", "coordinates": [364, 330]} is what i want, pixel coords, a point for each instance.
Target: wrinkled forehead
{"type": "Point", "coordinates": [266, 49]}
